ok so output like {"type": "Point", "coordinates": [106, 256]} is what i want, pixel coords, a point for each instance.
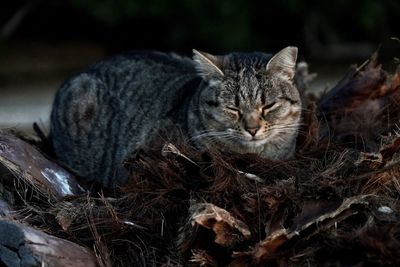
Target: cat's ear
{"type": "Point", "coordinates": [283, 63]}
{"type": "Point", "coordinates": [207, 65]}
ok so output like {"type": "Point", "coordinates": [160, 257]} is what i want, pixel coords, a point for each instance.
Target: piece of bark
{"type": "Point", "coordinates": [30, 166]}
{"type": "Point", "coordinates": [369, 161]}
{"type": "Point", "coordinates": [202, 258]}
{"type": "Point", "coordinates": [22, 245]}
{"type": "Point", "coordinates": [313, 219]}
{"type": "Point", "coordinates": [388, 151]}
{"type": "Point", "coordinates": [228, 230]}
{"type": "Point", "coordinates": [361, 107]}
{"type": "Point", "coordinates": [361, 84]}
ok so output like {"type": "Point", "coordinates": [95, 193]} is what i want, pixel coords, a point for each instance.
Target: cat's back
{"type": "Point", "coordinates": [135, 62]}
{"type": "Point", "coordinates": [102, 114]}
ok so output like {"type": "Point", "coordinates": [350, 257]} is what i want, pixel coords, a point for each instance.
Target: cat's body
{"type": "Point", "coordinates": [233, 103]}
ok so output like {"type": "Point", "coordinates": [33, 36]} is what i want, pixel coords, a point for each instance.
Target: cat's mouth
{"type": "Point", "coordinates": [254, 141]}
{"type": "Point", "coordinates": [247, 140]}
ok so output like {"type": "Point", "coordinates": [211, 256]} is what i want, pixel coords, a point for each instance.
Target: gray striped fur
{"type": "Point", "coordinates": [106, 113]}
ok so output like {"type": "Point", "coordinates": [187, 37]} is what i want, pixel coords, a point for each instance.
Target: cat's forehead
{"type": "Point", "coordinates": [236, 63]}
{"type": "Point", "coordinates": [242, 79]}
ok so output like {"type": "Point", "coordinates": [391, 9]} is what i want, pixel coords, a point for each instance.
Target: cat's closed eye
{"type": "Point", "coordinates": [266, 108]}
{"type": "Point", "coordinates": [233, 110]}
{"type": "Point", "coordinates": [289, 100]}
{"type": "Point", "coordinates": [269, 106]}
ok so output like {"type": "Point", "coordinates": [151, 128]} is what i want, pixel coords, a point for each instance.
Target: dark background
{"type": "Point", "coordinates": [42, 42]}
{"type": "Point", "coordinates": [208, 24]}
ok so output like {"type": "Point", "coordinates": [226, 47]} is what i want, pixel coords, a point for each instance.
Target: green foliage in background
{"type": "Point", "coordinates": [236, 23]}
{"type": "Point", "coordinates": [214, 19]}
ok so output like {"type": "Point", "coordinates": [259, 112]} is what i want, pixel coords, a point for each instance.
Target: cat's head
{"type": "Point", "coordinates": [249, 102]}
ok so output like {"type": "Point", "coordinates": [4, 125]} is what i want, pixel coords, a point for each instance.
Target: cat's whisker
{"type": "Point", "coordinates": [284, 128]}
{"type": "Point", "coordinates": [211, 134]}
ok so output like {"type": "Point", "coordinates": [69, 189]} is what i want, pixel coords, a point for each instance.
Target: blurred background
{"type": "Point", "coordinates": [43, 42]}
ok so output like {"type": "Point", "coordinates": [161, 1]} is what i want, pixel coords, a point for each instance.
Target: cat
{"type": "Point", "coordinates": [239, 102]}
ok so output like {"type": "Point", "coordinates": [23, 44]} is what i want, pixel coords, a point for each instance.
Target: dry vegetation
{"type": "Point", "coordinates": [335, 204]}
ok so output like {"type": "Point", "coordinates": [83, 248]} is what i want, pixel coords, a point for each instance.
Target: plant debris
{"type": "Point", "coordinates": [334, 204]}
{"type": "Point", "coordinates": [30, 166]}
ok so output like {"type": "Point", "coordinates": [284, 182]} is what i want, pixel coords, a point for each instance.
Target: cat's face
{"type": "Point", "coordinates": [250, 102]}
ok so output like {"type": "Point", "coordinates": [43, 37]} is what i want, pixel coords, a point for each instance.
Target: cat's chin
{"type": "Point", "coordinates": [253, 142]}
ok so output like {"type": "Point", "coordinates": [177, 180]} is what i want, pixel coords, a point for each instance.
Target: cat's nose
{"type": "Point", "coordinates": [252, 131]}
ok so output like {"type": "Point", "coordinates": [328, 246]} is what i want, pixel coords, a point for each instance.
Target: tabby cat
{"type": "Point", "coordinates": [240, 102]}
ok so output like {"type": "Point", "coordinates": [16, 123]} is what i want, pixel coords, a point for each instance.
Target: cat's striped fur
{"type": "Point", "coordinates": [244, 103]}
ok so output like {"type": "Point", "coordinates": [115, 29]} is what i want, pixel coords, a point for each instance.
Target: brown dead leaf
{"type": "Point", "coordinates": [369, 161]}
{"type": "Point", "coordinates": [306, 226]}
{"type": "Point", "coordinates": [202, 258]}
{"type": "Point", "coordinates": [388, 152]}
{"type": "Point", "coordinates": [228, 230]}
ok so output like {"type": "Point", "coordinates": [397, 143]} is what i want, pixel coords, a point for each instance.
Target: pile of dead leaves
{"type": "Point", "coordinates": [334, 204]}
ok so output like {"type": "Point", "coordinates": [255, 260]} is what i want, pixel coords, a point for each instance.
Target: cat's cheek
{"type": "Point", "coordinates": [285, 112]}
{"type": "Point", "coordinates": [224, 117]}
{"type": "Point", "coordinates": [270, 118]}
{"type": "Point", "coordinates": [294, 113]}
{"type": "Point", "coordinates": [215, 116]}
